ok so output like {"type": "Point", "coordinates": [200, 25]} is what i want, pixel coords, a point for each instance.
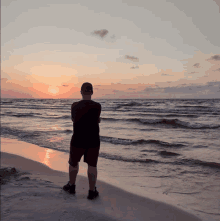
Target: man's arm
{"type": "Point", "coordinates": [98, 120]}
{"type": "Point", "coordinates": [74, 104]}
{"type": "Point", "coordinates": [100, 113]}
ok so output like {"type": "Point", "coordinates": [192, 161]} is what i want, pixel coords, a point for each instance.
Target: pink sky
{"type": "Point", "coordinates": [155, 55]}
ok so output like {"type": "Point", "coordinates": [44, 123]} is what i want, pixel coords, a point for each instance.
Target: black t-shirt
{"type": "Point", "coordinates": [85, 115]}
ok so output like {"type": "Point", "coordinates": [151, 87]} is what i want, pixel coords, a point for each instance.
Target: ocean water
{"type": "Point", "coordinates": [174, 143]}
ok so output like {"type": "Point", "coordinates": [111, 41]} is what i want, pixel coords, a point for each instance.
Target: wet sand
{"type": "Point", "coordinates": [31, 189]}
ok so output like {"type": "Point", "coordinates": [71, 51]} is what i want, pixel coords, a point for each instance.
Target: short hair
{"type": "Point", "coordinates": [87, 88]}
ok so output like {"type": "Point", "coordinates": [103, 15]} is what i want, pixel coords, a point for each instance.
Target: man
{"type": "Point", "coordinates": [85, 139]}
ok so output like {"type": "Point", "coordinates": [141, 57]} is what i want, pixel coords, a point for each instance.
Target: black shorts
{"type": "Point", "coordinates": [86, 141]}
{"type": "Point", "coordinates": [90, 155]}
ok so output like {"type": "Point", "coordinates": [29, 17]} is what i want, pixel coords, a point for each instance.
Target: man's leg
{"type": "Point", "coordinates": [73, 171]}
{"type": "Point", "coordinates": [92, 176]}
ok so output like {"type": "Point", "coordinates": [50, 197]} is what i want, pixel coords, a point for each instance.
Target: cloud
{"type": "Point", "coordinates": [7, 3]}
{"type": "Point", "coordinates": [102, 33]}
{"type": "Point", "coordinates": [153, 90]}
{"type": "Point", "coordinates": [15, 83]}
{"type": "Point", "coordinates": [215, 57]}
{"type": "Point", "coordinates": [213, 84]}
{"type": "Point", "coordinates": [193, 72]}
{"type": "Point", "coordinates": [14, 94]}
{"type": "Point", "coordinates": [196, 65]}
{"type": "Point", "coordinates": [166, 74]}
{"type": "Point", "coordinates": [132, 58]}
{"type": "Point", "coordinates": [207, 72]}
{"type": "Point", "coordinates": [218, 3]}
{"type": "Point", "coordinates": [208, 90]}
{"type": "Point", "coordinates": [135, 67]}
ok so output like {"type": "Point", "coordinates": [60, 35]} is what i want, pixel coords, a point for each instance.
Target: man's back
{"type": "Point", "coordinates": [85, 115]}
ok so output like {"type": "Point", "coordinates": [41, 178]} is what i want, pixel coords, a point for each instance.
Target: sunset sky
{"type": "Point", "coordinates": [125, 48]}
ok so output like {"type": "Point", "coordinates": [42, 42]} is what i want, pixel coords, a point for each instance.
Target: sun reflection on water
{"type": "Point", "coordinates": [55, 139]}
{"type": "Point", "coordinates": [55, 127]}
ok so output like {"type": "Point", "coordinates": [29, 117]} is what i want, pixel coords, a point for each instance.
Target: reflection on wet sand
{"type": "Point", "coordinates": [47, 156]}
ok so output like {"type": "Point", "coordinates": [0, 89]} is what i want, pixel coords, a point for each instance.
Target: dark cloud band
{"type": "Point", "coordinates": [132, 58]}
{"type": "Point", "coordinates": [102, 33]}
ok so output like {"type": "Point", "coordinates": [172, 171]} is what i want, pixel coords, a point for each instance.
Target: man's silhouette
{"type": "Point", "coordinates": [85, 139]}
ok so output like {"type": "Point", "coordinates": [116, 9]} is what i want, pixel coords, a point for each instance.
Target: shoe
{"type": "Point", "coordinates": [70, 189]}
{"type": "Point", "coordinates": [92, 194]}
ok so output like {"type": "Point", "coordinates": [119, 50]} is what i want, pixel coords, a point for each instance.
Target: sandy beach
{"type": "Point", "coordinates": [31, 189]}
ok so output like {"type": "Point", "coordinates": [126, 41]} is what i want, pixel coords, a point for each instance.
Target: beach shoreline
{"type": "Point", "coordinates": [39, 187]}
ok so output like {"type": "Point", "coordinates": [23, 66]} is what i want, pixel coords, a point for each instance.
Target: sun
{"type": "Point", "coordinates": [53, 90]}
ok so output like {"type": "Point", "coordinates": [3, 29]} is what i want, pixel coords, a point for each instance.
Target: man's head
{"type": "Point", "coordinates": [86, 90]}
